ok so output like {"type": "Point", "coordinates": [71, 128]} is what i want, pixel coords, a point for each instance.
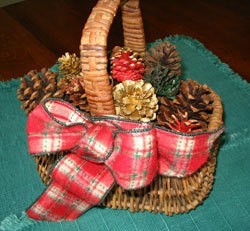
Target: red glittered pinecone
{"type": "Point", "coordinates": [126, 65]}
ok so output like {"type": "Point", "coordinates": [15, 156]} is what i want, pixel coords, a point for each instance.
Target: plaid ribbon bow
{"type": "Point", "coordinates": [104, 151]}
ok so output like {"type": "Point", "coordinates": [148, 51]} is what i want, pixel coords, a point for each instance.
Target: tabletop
{"type": "Point", "coordinates": [33, 33]}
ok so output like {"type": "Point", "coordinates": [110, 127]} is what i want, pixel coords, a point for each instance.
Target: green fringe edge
{"type": "Point", "coordinates": [14, 223]}
{"type": "Point", "coordinates": [9, 84]}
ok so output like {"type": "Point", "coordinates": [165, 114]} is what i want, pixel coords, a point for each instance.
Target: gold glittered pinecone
{"type": "Point", "coordinates": [189, 111]}
{"type": "Point", "coordinates": [163, 69]}
{"type": "Point", "coordinates": [135, 100]}
{"type": "Point", "coordinates": [69, 65]}
{"type": "Point", "coordinates": [72, 90]}
{"type": "Point", "coordinates": [35, 87]}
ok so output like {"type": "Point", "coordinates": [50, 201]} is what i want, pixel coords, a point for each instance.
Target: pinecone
{"type": "Point", "coordinates": [126, 65]}
{"type": "Point", "coordinates": [163, 69]}
{"type": "Point", "coordinates": [69, 65]}
{"type": "Point", "coordinates": [189, 111]}
{"type": "Point", "coordinates": [35, 87]}
{"type": "Point", "coordinates": [163, 84]}
{"type": "Point", "coordinates": [166, 55]}
{"type": "Point", "coordinates": [135, 100]}
{"type": "Point", "coordinates": [73, 91]}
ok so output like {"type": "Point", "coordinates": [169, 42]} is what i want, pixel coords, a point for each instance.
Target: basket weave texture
{"type": "Point", "coordinates": [165, 194]}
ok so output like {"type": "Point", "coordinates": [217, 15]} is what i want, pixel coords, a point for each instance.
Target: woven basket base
{"type": "Point", "coordinates": [169, 195]}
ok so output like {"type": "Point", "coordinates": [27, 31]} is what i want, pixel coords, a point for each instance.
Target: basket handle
{"type": "Point", "coordinates": [93, 50]}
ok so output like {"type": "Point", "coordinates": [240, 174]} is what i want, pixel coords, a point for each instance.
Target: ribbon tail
{"type": "Point", "coordinates": [57, 204]}
{"type": "Point", "coordinates": [77, 186]}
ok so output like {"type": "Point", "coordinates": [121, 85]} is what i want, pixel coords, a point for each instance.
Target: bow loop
{"type": "Point", "coordinates": [97, 144]}
{"type": "Point", "coordinates": [48, 132]}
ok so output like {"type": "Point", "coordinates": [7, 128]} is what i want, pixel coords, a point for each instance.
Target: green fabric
{"type": "Point", "coordinates": [226, 208]}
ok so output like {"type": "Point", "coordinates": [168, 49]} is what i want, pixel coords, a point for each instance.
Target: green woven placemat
{"type": "Point", "coordinates": [226, 208]}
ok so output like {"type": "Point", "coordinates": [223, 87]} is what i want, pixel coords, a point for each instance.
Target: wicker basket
{"type": "Point", "coordinates": [165, 194]}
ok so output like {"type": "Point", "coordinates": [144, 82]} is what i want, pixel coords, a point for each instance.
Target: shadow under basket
{"type": "Point", "coordinates": [169, 195]}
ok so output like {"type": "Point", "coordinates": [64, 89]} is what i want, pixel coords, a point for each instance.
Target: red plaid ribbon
{"type": "Point", "coordinates": [104, 151]}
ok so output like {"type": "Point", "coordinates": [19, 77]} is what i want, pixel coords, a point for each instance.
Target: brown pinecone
{"type": "Point", "coordinates": [69, 65]}
{"type": "Point", "coordinates": [73, 91]}
{"type": "Point", "coordinates": [163, 69]}
{"type": "Point", "coordinates": [165, 55]}
{"type": "Point", "coordinates": [189, 111]}
{"type": "Point", "coordinates": [35, 87]}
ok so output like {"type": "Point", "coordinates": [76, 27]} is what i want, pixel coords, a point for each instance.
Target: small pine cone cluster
{"type": "Point", "coordinates": [135, 100]}
{"type": "Point", "coordinates": [189, 111]}
{"type": "Point", "coordinates": [38, 86]}
{"type": "Point", "coordinates": [126, 65]}
{"type": "Point", "coordinates": [35, 87]}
